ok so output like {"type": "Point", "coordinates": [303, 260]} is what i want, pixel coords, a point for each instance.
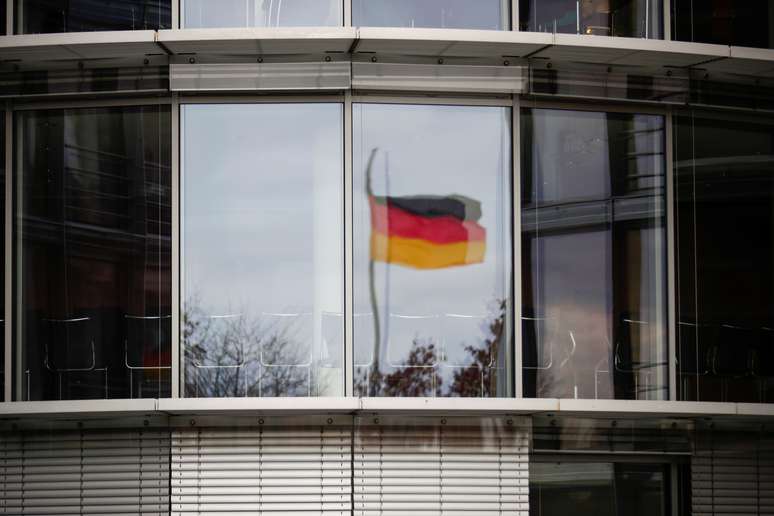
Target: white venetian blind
{"type": "Point", "coordinates": [441, 470]}
{"type": "Point", "coordinates": [733, 476]}
{"type": "Point", "coordinates": [267, 471]}
{"type": "Point", "coordinates": [84, 472]}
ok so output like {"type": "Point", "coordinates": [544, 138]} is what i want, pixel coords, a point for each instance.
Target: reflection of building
{"type": "Point", "coordinates": [195, 321]}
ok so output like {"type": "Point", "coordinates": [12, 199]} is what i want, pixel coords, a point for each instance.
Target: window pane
{"type": "Point", "coordinates": [93, 232]}
{"type": "Point", "coordinates": [449, 14]}
{"type": "Point", "coordinates": [42, 16]}
{"type": "Point", "coordinates": [624, 18]}
{"type": "Point", "coordinates": [597, 489]}
{"type": "Point", "coordinates": [748, 23]}
{"type": "Point", "coordinates": [593, 255]}
{"type": "Point", "coordinates": [262, 13]}
{"type": "Point", "coordinates": [2, 248]}
{"type": "Point", "coordinates": [724, 193]}
{"type": "Point", "coordinates": [432, 250]}
{"type": "Point", "coordinates": [263, 246]}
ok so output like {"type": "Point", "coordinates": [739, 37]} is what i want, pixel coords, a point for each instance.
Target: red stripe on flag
{"type": "Point", "coordinates": [393, 221]}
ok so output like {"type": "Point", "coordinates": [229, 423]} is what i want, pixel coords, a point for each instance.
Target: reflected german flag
{"type": "Point", "coordinates": [427, 232]}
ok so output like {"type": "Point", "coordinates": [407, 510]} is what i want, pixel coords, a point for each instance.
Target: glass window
{"type": "Point", "coordinates": [724, 217]}
{"type": "Point", "coordinates": [598, 489]}
{"type": "Point", "coordinates": [593, 255]}
{"type": "Point", "coordinates": [43, 16]}
{"type": "Point", "coordinates": [746, 23]}
{"type": "Point", "coordinates": [93, 229]}
{"type": "Point", "coordinates": [261, 13]}
{"type": "Point", "coordinates": [2, 249]}
{"type": "Point", "coordinates": [623, 18]}
{"type": "Point", "coordinates": [263, 250]}
{"type": "Point", "coordinates": [432, 250]}
{"type": "Point", "coordinates": [447, 14]}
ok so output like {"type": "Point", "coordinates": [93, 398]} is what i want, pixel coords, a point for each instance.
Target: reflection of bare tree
{"type": "Point", "coordinates": [481, 373]}
{"type": "Point", "coordinates": [415, 378]}
{"type": "Point", "coordinates": [243, 356]}
{"type": "Point", "coordinates": [419, 376]}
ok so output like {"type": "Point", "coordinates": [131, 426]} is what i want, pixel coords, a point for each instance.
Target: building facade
{"type": "Point", "coordinates": [387, 257]}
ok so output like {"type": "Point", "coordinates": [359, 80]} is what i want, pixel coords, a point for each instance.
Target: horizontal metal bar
{"type": "Point", "coordinates": [413, 406]}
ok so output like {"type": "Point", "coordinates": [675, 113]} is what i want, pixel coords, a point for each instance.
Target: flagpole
{"type": "Point", "coordinates": [372, 388]}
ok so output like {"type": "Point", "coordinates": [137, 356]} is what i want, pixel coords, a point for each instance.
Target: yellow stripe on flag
{"type": "Point", "coordinates": [422, 254]}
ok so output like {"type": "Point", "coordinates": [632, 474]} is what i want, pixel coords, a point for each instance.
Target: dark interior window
{"type": "Point", "coordinates": [623, 18]}
{"type": "Point", "coordinates": [46, 16]}
{"type": "Point", "coordinates": [598, 489]}
{"type": "Point", "coordinates": [746, 23]}
{"type": "Point", "coordinates": [93, 226]}
{"type": "Point", "coordinates": [724, 194]}
{"type": "Point", "coordinates": [593, 255]}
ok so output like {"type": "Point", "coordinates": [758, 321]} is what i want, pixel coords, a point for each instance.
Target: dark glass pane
{"type": "Point", "coordinates": [597, 489]}
{"type": "Point", "coordinates": [746, 23]}
{"type": "Point", "coordinates": [724, 194]}
{"type": "Point", "coordinates": [42, 16]}
{"type": "Point", "coordinates": [593, 255]}
{"type": "Point", "coordinates": [93, 80]}
{"type": "Point", "coordinates": [263, 250]}
{"type": "Point", "coordinates": [432, 250]}
{"type": "Point", "coordinates": [449, 14]}
{"type": "Point", "coordinates": [2, 248]}
{"type": "Point", "coordinates": [93, 230]}
{"type": "Point", "coordinates": [624, 18]}
{"type": "Point", "coordinates": [262, 13]}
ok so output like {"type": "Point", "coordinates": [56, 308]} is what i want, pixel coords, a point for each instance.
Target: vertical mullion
{"type": "Point", "coordinates": [671, 266]}
{"type": "Point", "coordinates": [8, 17]}
{"type": "Point", "coordinates": [514, 13]}
{"type": "Point", "coordinates": [516, 244]}
{"type": "Point", "coordinates": [177, 357]}
{"type": "Point", "coordinates": [8, 286]}
{"type": "Point", "coordinates": [667, 18]}
{"type": "Point", "coordinates": [349, 324]}
{"type": "Point", "coordinates": [347, 12]}
{"type": "Point", "coordinates": [175, 16]}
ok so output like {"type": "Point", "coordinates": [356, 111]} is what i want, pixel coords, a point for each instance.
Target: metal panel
{"type": "Point", "coordinates": [319, 75]}
{"type": "Point", "coordinates": [441, 78]}
{"type": "Point", "coordinates": [441, 469]}
{"type": "Point", "coordinates": [271, 470]}
{"type": "Point", "coordinates": [258, 41]}
{"type": "Point", "coordinates": [79, 472]}
{"type": "Point", "coordinates": [79, 45]}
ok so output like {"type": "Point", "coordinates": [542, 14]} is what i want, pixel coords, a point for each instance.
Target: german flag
{"type": "Point", "coordinates": [427, 232]}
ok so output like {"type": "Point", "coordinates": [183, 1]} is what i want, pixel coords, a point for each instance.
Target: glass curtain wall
{"type": "Point", "coordinates": [446, 14]}
{"type": "Point", "coordinates": [263, 246]}
{"type": "Point", "coordinates": [593, 255]}
{"type": "Point", "coordinates": [93, 253]}
{"type": "Point", "coordinates": [47, 16]}
{"type": "Point", "coordinates": [724, 216]}
{"type": "Point", "coordinates": [746, 23]}
{"type": "Point", "coordinates": [432, 250]}
{"type": "Point", "coordinates": [624, 18]}
{"type": "Point", "coordinates": [261, 13]}
{"type": "Point", "coordinates": [598, 489]}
